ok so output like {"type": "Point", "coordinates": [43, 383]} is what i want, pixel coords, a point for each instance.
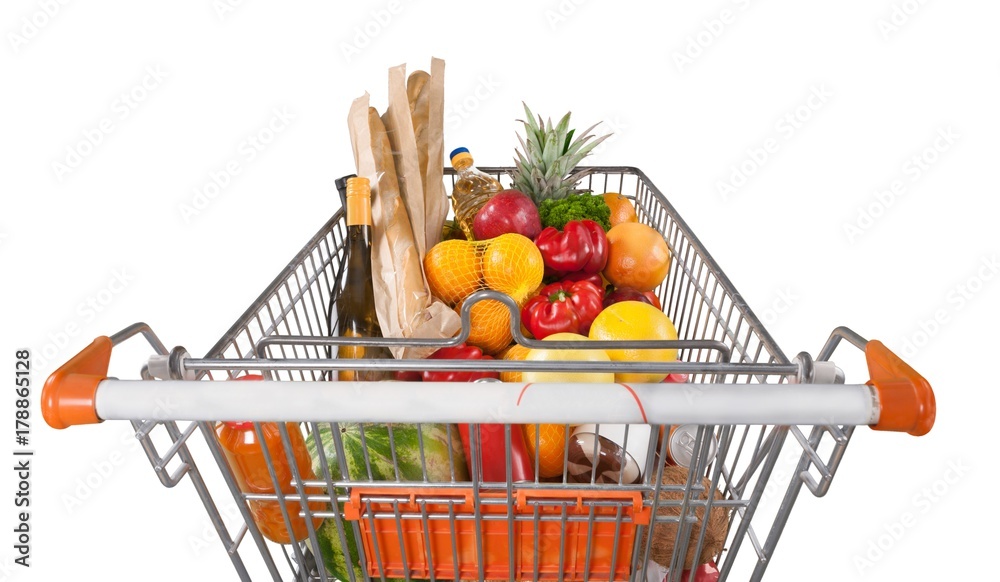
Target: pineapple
{"type": "Point", "coordinates": [547, 156]}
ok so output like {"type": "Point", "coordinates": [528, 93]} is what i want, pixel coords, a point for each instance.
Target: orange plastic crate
{"type": "Point", "coordinates": [412, 532]}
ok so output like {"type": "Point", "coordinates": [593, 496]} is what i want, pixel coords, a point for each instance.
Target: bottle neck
{"type": "Point", "coordinates": [359, 202]}
{"type": "Point", "coordinates": [462, 164]}
{"type": "Point", "coordinates": [359, 211]}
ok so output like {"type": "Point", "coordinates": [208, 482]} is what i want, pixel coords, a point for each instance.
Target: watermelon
{"type": "Point", "coordinates": [407, 448]}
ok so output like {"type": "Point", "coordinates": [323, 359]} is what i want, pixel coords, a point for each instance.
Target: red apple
{"type": "Point", "coordinates": [653, 299]}
{"type": "Point", "coordinates": [508, 211]}
{"type": "Point", "coordinates": [625, 294]}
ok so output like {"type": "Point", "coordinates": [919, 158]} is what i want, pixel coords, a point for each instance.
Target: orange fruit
{"type": "Point", "coordinates": [638, 257]}
{"type": "Point", "coordinates": [514, 352]}
{"type": "Point", "coordinates": [621, 207]}
{"type": "Point", "coordinates": [453, 270]}
{"type": "Point", "coordinates": [551, 447]}
{"type": "Point", "coordinates": [512, 264]}
{"type": "Point", "coordinates": [489, 326]}
{"type": "Point", "coordinates": [635, 320]}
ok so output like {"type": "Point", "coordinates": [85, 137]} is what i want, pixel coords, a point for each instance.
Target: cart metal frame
{"type": "Point", "coordinates": [723, 346]}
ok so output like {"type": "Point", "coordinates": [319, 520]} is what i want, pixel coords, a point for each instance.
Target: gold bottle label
{"type": "Point", "coordinates": [349, 353]}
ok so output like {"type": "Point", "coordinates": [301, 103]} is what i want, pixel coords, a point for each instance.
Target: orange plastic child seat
{"type": "Point", "coordinates": [375, 509]}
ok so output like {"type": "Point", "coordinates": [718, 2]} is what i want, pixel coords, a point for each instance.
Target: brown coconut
{"type": "Point", "coordinates": [665, 534]}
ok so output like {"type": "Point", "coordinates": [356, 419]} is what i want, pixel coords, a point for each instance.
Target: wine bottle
{"type": "Point", "coordinates": [331, 308]}
{"type": "Point", "coordinates": [355, 310]}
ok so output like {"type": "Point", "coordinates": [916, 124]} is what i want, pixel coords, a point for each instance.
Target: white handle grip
{"type": "Point", "coordinates": [812, 404]}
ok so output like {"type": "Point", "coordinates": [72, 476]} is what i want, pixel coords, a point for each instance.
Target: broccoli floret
{"type": "Point", "coordinates": [576, 207]}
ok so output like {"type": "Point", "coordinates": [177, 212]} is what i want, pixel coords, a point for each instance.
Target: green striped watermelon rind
{"type": "Point", "coordinates": [406, 443]}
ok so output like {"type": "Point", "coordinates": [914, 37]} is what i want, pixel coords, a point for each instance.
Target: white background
{"type": "Point", "coordinates": [686, 88]}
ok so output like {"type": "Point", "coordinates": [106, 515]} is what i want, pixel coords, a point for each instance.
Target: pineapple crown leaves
{"type": "Point", "coordinates": [548, 154]}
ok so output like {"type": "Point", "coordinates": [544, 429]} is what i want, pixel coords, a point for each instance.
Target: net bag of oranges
{"type": "Point", "coordinates": [509, 263]}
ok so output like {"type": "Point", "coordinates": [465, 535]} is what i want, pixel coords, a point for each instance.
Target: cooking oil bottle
{"type": "Point", "coordinates": [472, 190]}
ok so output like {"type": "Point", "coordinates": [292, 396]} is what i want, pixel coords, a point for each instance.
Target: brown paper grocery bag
{"type": "Point", "coordinates": [404, 306]}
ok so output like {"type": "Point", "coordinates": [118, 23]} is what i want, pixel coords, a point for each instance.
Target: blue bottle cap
{"type": "Point", "coordinates": [457, 151]}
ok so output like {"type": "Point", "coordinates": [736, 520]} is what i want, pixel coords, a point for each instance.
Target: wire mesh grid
{"type": "Point", "coordinates": [737, 461]}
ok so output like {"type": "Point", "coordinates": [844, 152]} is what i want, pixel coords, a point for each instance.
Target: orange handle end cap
{"type": "Point", "coordinates": [69, 394]}
{"type": "Point", "coordinates": [906, 400]}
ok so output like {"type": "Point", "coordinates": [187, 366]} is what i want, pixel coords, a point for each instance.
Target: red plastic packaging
{"type": "Point", "coordinates": [492, 446]}
{"type": "Point", "coordinates": [493, 453]}
{"type": "Point", "coordinates": [704, 573]}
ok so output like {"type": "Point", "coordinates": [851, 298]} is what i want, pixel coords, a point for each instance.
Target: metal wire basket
{"type": "Point", "coordinates": [742, 399]}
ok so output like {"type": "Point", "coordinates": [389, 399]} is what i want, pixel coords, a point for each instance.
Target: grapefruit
{"type": "Point", "coordinates": [635, 320]}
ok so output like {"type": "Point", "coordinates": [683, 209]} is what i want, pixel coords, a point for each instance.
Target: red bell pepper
{"type": "Point", "coordinates": [408, 376]}
{"type": "Point", "coordinates": [459, 352]}
{"type": "Point", "coordinates": [565, 306]}
{"type": "Point", "coordinates": [594, 278]}
{"type": "Point", "coordinates": [581, 246]}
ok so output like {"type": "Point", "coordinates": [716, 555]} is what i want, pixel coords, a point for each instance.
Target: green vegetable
{"type": "Point", "coordinates": [406, 442]}
{"type": "Point", "coordinates": [576, 207]}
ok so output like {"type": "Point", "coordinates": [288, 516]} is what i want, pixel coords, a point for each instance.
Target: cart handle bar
{"type": "Point", "coordinates": [493, 403]}
{"type": "Point", "coordinates": [896, 398]}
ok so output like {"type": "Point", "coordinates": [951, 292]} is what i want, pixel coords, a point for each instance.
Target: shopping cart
{"type": "Point", "coordinates": [742, 401]}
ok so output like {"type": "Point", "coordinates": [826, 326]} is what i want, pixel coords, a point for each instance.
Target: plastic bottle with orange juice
{"type": "Point", "coordinates": [245, 457]}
